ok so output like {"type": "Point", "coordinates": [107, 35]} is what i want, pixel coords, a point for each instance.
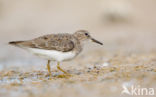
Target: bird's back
{"type": "Point", "coordinates": [59, 42]}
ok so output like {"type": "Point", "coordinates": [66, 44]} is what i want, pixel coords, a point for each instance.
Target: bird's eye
{"type": "Point", "coordinates": [86, 34]}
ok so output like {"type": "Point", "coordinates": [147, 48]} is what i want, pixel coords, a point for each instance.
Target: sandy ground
{"type": "Point", "coordinates": [128, 57]}
{"type": "Point", "coordinates": [97, 74]}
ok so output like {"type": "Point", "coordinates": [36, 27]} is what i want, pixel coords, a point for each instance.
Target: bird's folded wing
{"type": "Point", "coordinates": [50, 42]}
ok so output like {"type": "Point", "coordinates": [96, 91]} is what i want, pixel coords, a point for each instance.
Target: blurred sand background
{"type": "Point", "coordinates": [126, 27]}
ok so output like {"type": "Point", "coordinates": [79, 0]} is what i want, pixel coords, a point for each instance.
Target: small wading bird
{"type": "Point", "coordinates": [56, 47]}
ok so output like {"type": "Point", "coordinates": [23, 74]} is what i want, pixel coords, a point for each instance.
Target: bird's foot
{"type": "Point", "coordinates": [49, 76]}
{"type": "Point", "coordinates": [64, 76]}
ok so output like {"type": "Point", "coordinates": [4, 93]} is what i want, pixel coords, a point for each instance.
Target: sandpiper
{"type": "Point", "coordinates": [56, 47]}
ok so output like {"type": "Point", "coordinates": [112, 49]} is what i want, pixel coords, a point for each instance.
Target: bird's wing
{"type": "Point", "coordinates": [59, 42]}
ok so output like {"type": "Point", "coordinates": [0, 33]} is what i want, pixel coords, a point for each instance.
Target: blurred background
{"type": "Point", "coordinates": [127, 25]}
{"type": "Point", "coordinates": [109, 20]}
{"type": "Point", "coordinates": [122, 25]}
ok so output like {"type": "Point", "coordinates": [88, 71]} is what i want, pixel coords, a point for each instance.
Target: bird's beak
{"type": "Point", "coordinates": [96, 41]}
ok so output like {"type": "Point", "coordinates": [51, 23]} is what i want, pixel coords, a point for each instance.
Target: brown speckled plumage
{"type": "Point", "coordinates": [60, 42]}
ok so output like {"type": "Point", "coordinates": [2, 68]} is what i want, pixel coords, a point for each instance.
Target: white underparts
{"type": "Point", "coordinates": [52, 54]}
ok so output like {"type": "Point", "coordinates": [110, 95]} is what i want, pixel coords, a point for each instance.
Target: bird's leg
{"type": "Point", "coordinates": [48, 67]}
{"type": "Point", "coordinates": [59, 68]}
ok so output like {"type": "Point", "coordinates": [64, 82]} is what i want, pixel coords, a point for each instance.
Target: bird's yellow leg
{"type": "Point", "coordinates": [48, 67]}
{"type": "Point", "coordinates": [59, 68]}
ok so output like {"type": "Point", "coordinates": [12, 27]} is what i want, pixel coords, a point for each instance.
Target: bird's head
{"type": "Point", "coordinates": [84, 35]}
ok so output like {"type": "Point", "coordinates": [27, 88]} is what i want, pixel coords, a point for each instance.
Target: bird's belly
{"type": "Point", "coordinates": [53, 54]}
